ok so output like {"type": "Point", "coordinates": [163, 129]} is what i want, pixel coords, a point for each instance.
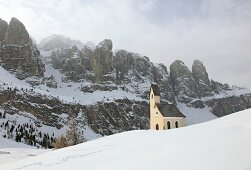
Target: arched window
{"type": "Point", "coordinates": [157, 127]}
{"type": "Point", "coordinates": [152, 96]}
{"type": "Point", "coordinates": [176, 124]}
{"type": "Point", "coordinates": [168, 125]}
{"type": "Point", "coordinates": [156, 113]}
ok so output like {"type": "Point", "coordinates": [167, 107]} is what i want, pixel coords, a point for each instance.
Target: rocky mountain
{"type": "Point", "coordinates": [105, 70]}
{"type": "Point", "coordinates": [106, 92]}
{"type": "Point", "coordinates": [3, 29]}
{"type": "Point", "coordinates": [183, 81]}
{"type": "Point", "coordinates": [16, 33]}
{"type": "Point", "coordinates": [200, 75]}
{"type": "Point", "coordinates": [18, 54]}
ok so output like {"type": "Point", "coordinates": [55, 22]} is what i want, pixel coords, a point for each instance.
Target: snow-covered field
{"type": "Point", "coordinates": [11, 151]}
{"type": "Point", "coordinates": [219, 144]}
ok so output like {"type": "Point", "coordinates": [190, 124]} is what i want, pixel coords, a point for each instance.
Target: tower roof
{"type": "Point", "coordinates": [156, 90]}
{"type": "Point", "coordinates": [169, 110]}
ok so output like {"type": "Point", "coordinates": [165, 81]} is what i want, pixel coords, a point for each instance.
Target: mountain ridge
{"type": "Point", "coordinates": [106, 92]}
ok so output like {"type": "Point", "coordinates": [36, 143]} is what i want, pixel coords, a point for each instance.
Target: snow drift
{"type": "Point", "coordinates": [223, 143]}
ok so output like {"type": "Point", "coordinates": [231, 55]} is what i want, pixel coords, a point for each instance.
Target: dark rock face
{"type": "Point", "coordinates": [217, 87]}
{"type": "Point", "coordinates": [121, 64]}
{"type": "Point", "coordinates": [125, 61]}
{"type": "Point", "coordinates": [85, 55]}
{"type": "Point", "coordinates": [132, 67]}
{"type": "Point", "coordinates": [3, 29]}
{"type": "Point", "coordinates": [69, 61]}
{"type": "Point", "coordinates": [119, 116]}
{"type": "Point", "coordinates": [103, 118]}
{"type": "Point", "coordinates": [18, 54]}
{"type": "Point", "coordinates": [225, 106]}
{"type": "Point", "coordinates": [102, 59]}
{"type": "Point", "coordinates": [161, 76]}
{"type": "Point", "coordinates": [201, 77]}
{"type": "Point", "coordinates": [16, 33]}
{"type": "Point", "coordinates": [24, 60]}
{"type": "Point", "coordinates": [184, 83]}
{"type": "Point", "coordinates": [197, 104]}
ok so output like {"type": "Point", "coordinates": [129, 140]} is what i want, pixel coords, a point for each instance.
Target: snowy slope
{"type": "Point", "coordinates": [12, 151]}
{"type": "Point", "coordinates": [7, 143]}
{"type": "Point", "coordinates": [196, 115]}
{"type": "Point", "coordinates": [66, 92]}
{"type": "Point", "coordinates": [219, 144]}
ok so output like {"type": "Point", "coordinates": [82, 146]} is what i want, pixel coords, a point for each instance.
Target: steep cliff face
{"type": "Point", "coordinates": [16, 33]}
{"type": "Point", "coordinates": [3, 29]}
{"type": "Point", "coordinates": [103, 118]}
{"type": "Point", "coordinates": [183, 81]}
{"type": "Point", "coordinates": [228, 105]}
{"type": "Point", "coordinates": [131, 68]}
{"type": "Point", "coordinates": [24, 61]}
{"type": "Point", "coordinates": [201, 77]}
{"type": "Point", "coordinates": [101, 60]}
{"type": "Point", "coordinates": [18, 54]}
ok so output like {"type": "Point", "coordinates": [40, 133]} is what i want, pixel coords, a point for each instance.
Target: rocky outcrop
{"type": "Point", "coordinates": [126, 61]}
{"type": "Point", "coordinates": [18, 54]}
{"type": "Point", "coordinates": [3, 29]}
{"type": "Point", "coordinates": [131, 67]}
{"type": "Point", "coordinates": [183, 82]}
{"type": "Point", "coordinates": [85, 56]}
{"type": "Point", "coordinates": [201, 77]}
{"type": "Point", "coordinates": [104, 118]}
{"type": "Point", "coordinates": [224, 106]}
{"type": "Point", "coordinates": [121, 64]}
{"type": "Point", "coordinates": [118, 116]}
{"type": "Point", "coordinates": [16, 33]}
{"type": "Point", "coordinates": [102, 59]}
{"type": "Point", "coordinates": [24, 61]}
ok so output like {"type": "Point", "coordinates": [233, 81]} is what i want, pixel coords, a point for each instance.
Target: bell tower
{"type": "Point", "coordinates": [154, 99]}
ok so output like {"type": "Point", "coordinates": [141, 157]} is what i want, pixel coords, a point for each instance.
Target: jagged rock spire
{"type": "Point", "coordinates": [16, 33]}
{"type": "Point", "coordinates": [183, 81]}
{"type": "Point", "coordinates": [3, 29]}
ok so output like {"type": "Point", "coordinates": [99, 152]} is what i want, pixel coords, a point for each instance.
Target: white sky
{"type": "Point", "coordinates": [218, 32]}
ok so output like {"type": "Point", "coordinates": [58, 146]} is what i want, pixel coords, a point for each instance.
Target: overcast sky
{"type": "Point", "coordinates": [217, 32]}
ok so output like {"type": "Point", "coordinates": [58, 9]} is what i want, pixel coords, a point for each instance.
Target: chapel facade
{"type": "Point", "coordinates": [163, 115]}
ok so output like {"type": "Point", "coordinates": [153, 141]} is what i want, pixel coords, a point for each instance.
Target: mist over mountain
{"type": "Point", "coordinates": [56, 41]}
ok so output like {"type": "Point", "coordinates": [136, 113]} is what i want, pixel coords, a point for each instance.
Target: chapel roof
{"type": "Point", "coordinates": [169, 110]}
